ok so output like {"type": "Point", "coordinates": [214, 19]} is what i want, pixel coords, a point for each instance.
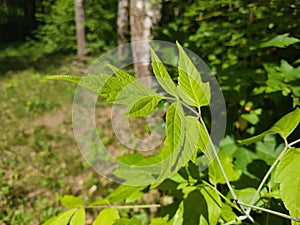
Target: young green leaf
{"type": "Point", "coordinates": [204, 144]}
{"type": "Point", "coordinates": [162, 75]}
{"type": "Point", "coordinates": [92, 82]}
{"type": "Point", "coordinates": [175, 126]}
{"type": "Point", "coordinates": [126, 221]}
{"type": "Point", "coordinates": [287, 174]}
{"type": "Point", "coordinates": [79, 217]}
{"type": "Point", "coordinates": [178, 217]}
{"type": "Point", "coordinates": [190, 86]}
{"type": "Point", "coordinates": [284, 127]}
{"type": "Point", "coordinates": [107, 217]}
{"type": "Point", "coordinates": [62, 219]}
{"type": "Point", "coordinates": [280, 41]}
{"type": "Point", "coordinates": [190, 142]}
{"type": "Point", "coordinates": [70, 201]}
{"type": "Point", "coordinates": [159, 221]}
{"type": "Point", "coordinates": [214, 204]}
{"type": "Point", "coordinates": [215, 174]}
{"type": "Point", "coordinates": [118, 92]}
{"type": "Point", "coordinates": [175, 132]}
{"type": "Point", "coordinates": [143, 106]}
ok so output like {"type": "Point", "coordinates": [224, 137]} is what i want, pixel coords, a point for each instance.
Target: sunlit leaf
{"type": "Point", "coordinates": [284, 127]}
{"type": "Point", "coordinates": [79, 217]}
{"type": "Point", "coordinates": [143, 106]}
{"type": "Point", "coordinates": [215, 174]}
{"type": "Point", "coordinates": [70, 201]}
{"type": "Point", "coordinates": [287, 174]}
{"type": "Point", "coordinates": [280, 41]}
{"type": "Point", "coordinates": [107, 217]}
{"type": "Point", "coordinates": [162, 75]}
{"type": "Point", "coordinates": [126, 221]}
{"type": "Point", "coordinates": [190, 86]}
{"type": "Point", "coordinates": [62, 219]}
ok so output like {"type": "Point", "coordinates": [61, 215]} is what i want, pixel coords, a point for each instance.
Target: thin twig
{"type": "Point", "coordinates": [222, 196]}
{"type": "Point", "coordinates": [294, 142]}
{"type": "Point", "coordinates": [267, 176]}
{"type": "Point", "coordinates": [271, 211]}
{"type": "Point", "coordinates": [124, 206]}
{"type": "Point", "coordinates": [223, 171]}
{"type": "Point", "coordinates": [240, 218]}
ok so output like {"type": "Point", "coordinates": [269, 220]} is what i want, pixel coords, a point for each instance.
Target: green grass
{"type": "Point", "coordinates": [40, 161]}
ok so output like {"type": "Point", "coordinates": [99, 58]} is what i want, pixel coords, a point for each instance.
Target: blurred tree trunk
{"type": "Point", "coordinates": [122, 24]}
{"type": "Point", "coordinates": [143, 15]}
{"type": "Point", "coordinates": [80, 29]}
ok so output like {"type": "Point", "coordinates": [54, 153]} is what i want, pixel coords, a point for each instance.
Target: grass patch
{"type": "Point", "coordinates": [39, 158]}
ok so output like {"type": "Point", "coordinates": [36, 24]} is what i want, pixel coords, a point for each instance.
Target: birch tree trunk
{"type": "Point", "coordinates": [143, 15]}
{"type": "Point", "coordinates": [122, 24]}
{"type": "Point", "coordinates": [80, 29]}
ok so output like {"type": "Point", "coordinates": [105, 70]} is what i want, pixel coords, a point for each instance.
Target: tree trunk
{"type": "Point", "coordinates": [122, 24]}
{"type": "Point", "coordinates": [143, 15]}
{"type": "Point", "coordinates": [80, 29]}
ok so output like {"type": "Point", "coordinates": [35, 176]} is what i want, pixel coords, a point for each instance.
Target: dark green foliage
{"type": "Point", "coordinates": [57, 25]}
{"type": "Point", "coordinates": [244, 44]}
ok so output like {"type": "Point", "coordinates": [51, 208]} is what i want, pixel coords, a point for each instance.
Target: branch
{"type": "Point", "coordinates": [267, 176]}
{"type": "Point", "coordinates": [124, 206]}
{"type": "Point", "coordinates": [223, 172]}
{"type": "Point", "coordinates": [271, 211]}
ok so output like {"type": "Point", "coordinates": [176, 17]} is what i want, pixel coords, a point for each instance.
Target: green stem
{"type": "Point", "coordinates": [222, 196]}
{"type": "Point", "coordinates": [219, 161]}
{"type": "Point", "coordinates": [271, 211]}
{"type": "Point", "coordinates": [223, 171]}
{"type": "Point", "coordinates": [124, 206]}
{"type": "Point", "coordinates": [267, 176]}
{"type": "Point", "coordinates": [294, 142]}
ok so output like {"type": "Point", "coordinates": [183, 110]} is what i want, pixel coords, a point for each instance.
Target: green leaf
{"type": "Point", "coordinates": [208, 205]}
{"type": "Point", "coordinates": [190, 86]}
{"type": "Point", "coordinates": [62, 219]}
{"type": "Point", "coordinates": [159, 221]}
{"type": "Point", "coordinates": [287, 174]}
{"type": "Point", "coordinates": [126, 221]}
{"type": "Point", "coordinates": [124, 192]}
{"type": "Point", "coordinates": [143, 106]}
{"type": "Point", "coordinates": [227, 213]}
{"type": "Point", "coordinates": [71, 78]}
{"type": "Point", "coordinates": [215, 174]}
{"type": "Point", "coordinates": [70, 201]}
{"type": "Point", "coordinates": [162, 75]}
{"type": "Point", "coordinates": [79, 217]}
{"type": "Point", "coordinates": [213, 203]}
{"type": "Point", "coordinates": [50, 221]}
{"type": "Point", "coordinates": [175, 123]}
{"type": "Point", "coordinates": [204, 143]}
{"type": "Point", "coordinates": [107, 217]}
{"type": "Point", "coordinates": [178, 217]}
{"type": "Point", "coordinates": [93, 82]}
{"type": "Point", "coordinates": [175, 131]}
{"type": "Point", "coordinates": [284, 127]}
{"type": "Point", "coordinates": [280, 41]}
